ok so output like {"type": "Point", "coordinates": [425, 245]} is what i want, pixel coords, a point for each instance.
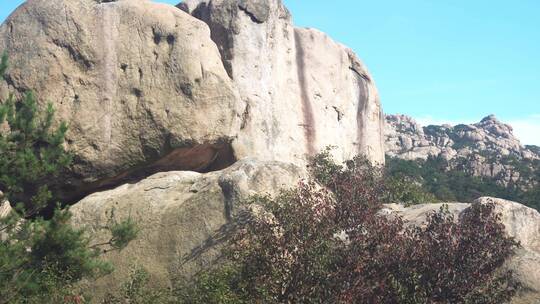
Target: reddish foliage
{"type": "Point", "coordinates": [333, 245]}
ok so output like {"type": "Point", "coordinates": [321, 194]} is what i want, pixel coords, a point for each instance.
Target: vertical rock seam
{"type": "Point", "coordinates": [361, 119]}
{"type": "Point", "coordinates": [308, 124]}
{"type": "Point", "coordinates": [109, 27]}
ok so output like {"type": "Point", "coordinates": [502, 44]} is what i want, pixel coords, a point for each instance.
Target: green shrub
{"type": "Point", "coordinates": [408, 192]}
{"type": "Point", "coordinates": [137, 290]}
{"type": "Point", "coordinates": [220, 285]}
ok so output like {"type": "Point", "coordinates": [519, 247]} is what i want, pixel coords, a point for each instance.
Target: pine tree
{"type": "Point", "coordinates": [31, 152]}
{"type": "Point", "coordinates": [41, 259]}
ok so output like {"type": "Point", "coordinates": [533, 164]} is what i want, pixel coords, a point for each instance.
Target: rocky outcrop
{"type": "Point", "coordinates": [488, 148]}
{"type": "Point", "coordinates": [146, 87]}
{"type": "Point", "coordinates": [521, 223]}
{"type": "Point", "coordinates": [303, 91]}
{"type": "Point", "coordinates": [183, 218]}
{"type": "Point", "coordinates": [135, 80]}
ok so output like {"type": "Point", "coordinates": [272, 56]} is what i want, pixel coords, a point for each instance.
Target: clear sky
{"type": "Point", "coordinates": [438, 60]}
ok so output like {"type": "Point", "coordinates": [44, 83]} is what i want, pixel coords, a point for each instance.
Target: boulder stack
{"type": "Point", "coordinates": [147, 87]}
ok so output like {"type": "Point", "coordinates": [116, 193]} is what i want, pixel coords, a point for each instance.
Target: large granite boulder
{"type": "Point", "coordinates": [183, 217]}
{"type": "Point", "coordinates": [521, 223]}
{"type": "Point", "coordinates": [303, 91]}
{"type": "Point", "coordinates": [136, 81]}
{"type": "Point", "coordinates": [146, 87]}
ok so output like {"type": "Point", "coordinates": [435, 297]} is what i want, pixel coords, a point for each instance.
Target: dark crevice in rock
{"type": "Point", "coordinates": [157, 36]}
{"type": "Point", "coordinates": [11, 83]}
{"type": "Point", "coordinates": [245, 116]}
{"type": "Point", "coordinates": [230, 195]}
{"type": "Point", "coordinates": [75, 54]}
{"type": "Point", "coordinates": [222, 34]}
{"type": "Point", "coordinates": [307, 108]}
{"type": "Point", "coordinates": [339, 113]}
{"type": "Point", "coordinates": [137, 92]}
{"type": "Point", "coordinates": [141, 74]}
{"type": "Point", "coordinates": [201, 158]}
{"type": "Point", "coordinates": [187, 89]}
{"type": "Point", "coordinates": [250, 14]}
{"type": "Point", "coordinates": [360, 74]}
{"type": "Point", "coordinates": [171, 39]}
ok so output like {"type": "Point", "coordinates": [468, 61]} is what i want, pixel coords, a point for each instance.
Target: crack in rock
{"type": "Point", "coordinates": [257, 12]}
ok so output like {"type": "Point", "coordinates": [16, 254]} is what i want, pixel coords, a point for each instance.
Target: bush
{"type": "Point", "coordinates": [450, 261]}
{"type": "Point", "coordinates": [137, 291]}
{"type": "Point", "coordinates": [403, 190]}
{"type": "Point", "coordinates": [221, 285]}
{"type": "Point", "coordinates": [333, 244]}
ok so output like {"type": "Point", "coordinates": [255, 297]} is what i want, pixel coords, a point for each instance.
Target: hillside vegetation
{"type": "Point", "coordinates": [434, 176]}
{"type": "Point", "coordinates": [463, 162]}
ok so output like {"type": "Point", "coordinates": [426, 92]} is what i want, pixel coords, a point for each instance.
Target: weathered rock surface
{"type": "Point", "coordinates": [183, 217]}
{"type": "Point", "coordinates": [135, 81]}
{"type": "Point", "coordinates": [5, 208]}
{"type": "Point", "coordinates": [303, 91]}
{"type": "Point", "coordinates": [146, 87]}
{"type": "Point", "coordinates": [521, 222]}
{"type": "Point", "coordinates": [488, 148]}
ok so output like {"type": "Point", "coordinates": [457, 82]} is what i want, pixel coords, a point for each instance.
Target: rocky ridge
{"type": "Point", "coordinates": [487, 148]}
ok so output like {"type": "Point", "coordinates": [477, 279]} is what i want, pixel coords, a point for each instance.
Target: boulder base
{"type": "Point", "coordinates": [183, 217]}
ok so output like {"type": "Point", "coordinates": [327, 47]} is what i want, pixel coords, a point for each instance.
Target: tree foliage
{"type": "Point", "coordinates": [31, 152]}
{"type": "Point", "coordinates": [434, 175]}
{"type": "Point", "coordinates": [41, 260]}
{"type": "Point", "coordinates": [335, 244]}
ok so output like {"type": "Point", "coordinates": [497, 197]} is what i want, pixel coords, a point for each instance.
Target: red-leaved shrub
{"type": "Point", "coordinates": [327, 241]}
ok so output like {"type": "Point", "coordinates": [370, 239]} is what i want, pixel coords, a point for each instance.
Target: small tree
{"type": "Point", "coordinates": [41, 260]}
{"type": "Point", "coordinates": [31, 151]}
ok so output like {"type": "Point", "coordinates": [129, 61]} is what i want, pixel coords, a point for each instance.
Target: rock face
{"type": "Point", "coordinates": [183, 217]}
{"type": "Point", "coordinates": [521, 222]}
{"type": "Point", "coordinates": [488, 148]}
{"type": "Point", "coordinates": [303, 91]}
{"type": "Point", "coordinates": [136, 81]}
{"type": "Point", "coordinates": [146, 87]}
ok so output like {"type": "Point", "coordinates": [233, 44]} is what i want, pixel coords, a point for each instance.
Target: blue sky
{"type": "Point", "coordinates": [438, 60]}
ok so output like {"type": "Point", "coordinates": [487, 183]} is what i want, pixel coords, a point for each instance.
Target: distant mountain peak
{"type": "Point", "coordinates": [487, 148]}
{"type": "Point", "coordinates": [495, 127]}
{"type": "Point", "coordinates": [490, 117]}
{"type": "Point", "coordinates": [405, 138]}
